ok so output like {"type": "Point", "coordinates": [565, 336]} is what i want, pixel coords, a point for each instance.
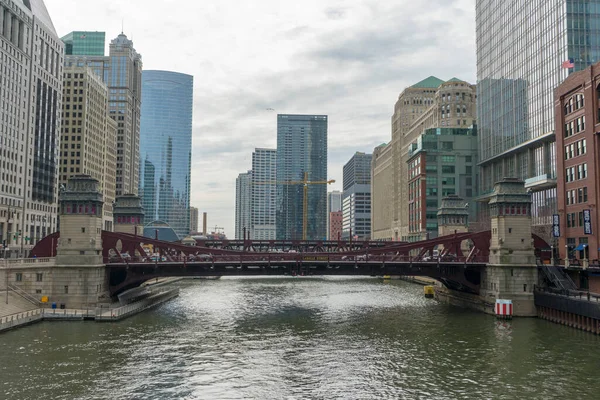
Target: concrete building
{"type": "Point", "coordinates": [193, 220]}
{"type": "Point", "coordinates": [121, 71]}
{"type": "Point", "coordinates": [575, 233]}
{"type": "Point", "coordinates": [430, 103]}
{"type": "Point", "coordinates": [84, 43]}
{"type": "Point", "coordinates": [336, 219]}
{"type": "Point", "coordinates": [382, 193]}
{"type": "Point", "coordinates": [263, 194]}
{"type": "Point", "coordinates": [243, 204]}
{"type": "Point", "coordinates": [88, 135]}
{"type": "Point", "coordinates": [441, 163]}
{"type": "Point", "coordinates": [31, 58]}
{"type": "Point", "coordinates": [301, 148]}
{"type": "Point", "coordinates": [166, 148]}
{"type": "Point", "coordinates": [540, 46]}
{"type": "Point", "coordinates": [356, 198]}
{"type": "Point", "coordinates": [334, 203]}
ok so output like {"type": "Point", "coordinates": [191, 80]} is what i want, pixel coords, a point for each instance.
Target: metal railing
{"type": "Point", "coordinates": [574, 294]}
{"type": "Point", "coordinates": [25, 295]}
{"type": "Point", "coordinates": [12, 320]}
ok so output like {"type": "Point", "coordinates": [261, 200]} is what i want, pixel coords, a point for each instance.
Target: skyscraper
{"type": "Point", "coordinates": [520, 60]}
{"type": "Point", "coordinates": [88, 139]}
{"type": "Point", "coordinates": [121, 71]}
{"type": "Point", "coordinates": [334, 204]}
{"type": "Point", "coordinates": [243, 204]}
{"type": "Point", "coordinates": [84, 43]}
{"type": "Point", "coordinates": [193, 220]}
{"type": "Point", "coordinates": [264, 162]}
{"type": "Point", "coordinates": [356, 198]}
{"type": "Point", "coordinates": [166, 142]}
{"type": "Point", "coordinates": [301, 148]}
{"type": "Point", "coordinates": [31, 56]}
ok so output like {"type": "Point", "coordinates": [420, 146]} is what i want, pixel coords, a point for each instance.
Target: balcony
{"type": "Point", "coordinates": [540, 182]}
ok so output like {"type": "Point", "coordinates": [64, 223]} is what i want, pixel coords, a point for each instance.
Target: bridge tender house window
{"type": "Point", "coordinates": [83, 209]}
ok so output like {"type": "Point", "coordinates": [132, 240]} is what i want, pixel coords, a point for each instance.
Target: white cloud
{"type": "Point", "coordinates": [346, 58]}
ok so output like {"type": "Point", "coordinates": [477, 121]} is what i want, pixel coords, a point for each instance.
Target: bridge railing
{"type": "Point", "coordinates": [297, 257]}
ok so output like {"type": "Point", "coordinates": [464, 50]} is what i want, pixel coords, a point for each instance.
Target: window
{"type": "Point", "coordinates": [450, 159]}
{"type": "Point", "coordinates": [66, 289]}
{"type": "Point", "coordinates": [82, 230]}
{"type": "Point", "coordinates": [585, 194]}
{"type": "Point", "coordinates": [448, 169]}
{"type": "Point", "coordinates": [39, 277]}
{"type": "Point", "coordinates": [447, 145]}
{"type": "Point", "coordinates": [19, 277]}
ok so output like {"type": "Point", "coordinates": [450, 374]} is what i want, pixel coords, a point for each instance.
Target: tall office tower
{"type": "Point", "coordinates": [243, 204]}
{"type": "Point", "coordinates": [382, 193]}
{"type": "Point", "coordinates": [520, 60]}
{"type": "Point", "coordinates": [121, 71]}
{"type": "Point", "coordinates": [166, 148]}
{"type": "Point", "coordinates": [193, 220]}
{"type": "Point", "coordinates": [356, 198]}
{"type": "Point", "coordinates": [301, 148]}
{"type": "Point", "coordinates": [264, 162]}
{"type": "Point", "coordinates": [84, 43]}
{"type": "Point", "coordinates": [334, 204]}
{"type": "Point", "coordinates": [431, 103]}
{"type": "Point", "coordinates": [88, 136]}
{"type": "Point", "coordinates": [30, 88]}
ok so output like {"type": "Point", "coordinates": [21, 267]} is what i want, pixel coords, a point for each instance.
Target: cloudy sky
{"type": "Point", "coordinates": [348, 59]}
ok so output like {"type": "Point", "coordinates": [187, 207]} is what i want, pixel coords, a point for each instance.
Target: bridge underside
{"type": "Point", "coordinates": [456, 276]}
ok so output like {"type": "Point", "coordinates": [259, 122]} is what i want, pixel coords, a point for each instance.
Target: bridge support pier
{"type": "Point", "coordinates": [512, 272]}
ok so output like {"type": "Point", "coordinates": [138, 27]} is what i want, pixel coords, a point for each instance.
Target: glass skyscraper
{"type": "Point", "coordinates": [301, 147]}
{"type": "Point", "coordinates": [524, 51]}
{"type": "Point", "coordinates": [84, 43]}
{"type": "Point", "coordinates": [166, 148]}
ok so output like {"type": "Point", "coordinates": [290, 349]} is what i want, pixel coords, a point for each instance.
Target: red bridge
{"type": "Point", "coordinates": [129, 261]}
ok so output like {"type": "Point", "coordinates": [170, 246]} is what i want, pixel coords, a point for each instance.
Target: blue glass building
{"type": "Point", "coordinates": [301, 147]}
{"type": "Point", "coordinates": [166, 148]}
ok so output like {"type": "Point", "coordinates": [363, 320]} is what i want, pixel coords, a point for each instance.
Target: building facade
{"type": "Point", "coordinates": [336, 219]}
{"type": "Point", "coordinates": [121, 71]}
{"type": "Point", "coordinates": [263, 194]}
{"type": "Point", "coordinates": [382, 193]}
{"type": "Point", "coordinates": [193, 220]}
{"type": "Point", "coordinates": [442, 163]}
{"type": "Point", "coordinates": [301, 148]}
{"type": "Point", "coordinates": [356, 198]}
{"type": "Point", "coordinates": [519, 62]}
{"type": "Point", "coordinates": [84, 43]}
{"type": "Point", "coordinates": [88, 135]}
{"type": "Point", "coordinates": [430, 103]}
{"type": "Point", "coordinates": [575, 233]}
{"type": "Point", "coordinates": [243, 204]}
{"type": "Point", "coordinates": [334, 203]}
{"type": "Point", "coordinates": [31, 59]}
{"type": "Point", "coordinates": [165, 148]}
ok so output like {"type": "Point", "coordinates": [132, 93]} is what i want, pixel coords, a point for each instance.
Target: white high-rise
{"type": "Point", "coordinates": [31, 58]}
{"type": "Point", "coordinates": [243, 202]}
{"type": "Point", "coordinates": [264, 164]}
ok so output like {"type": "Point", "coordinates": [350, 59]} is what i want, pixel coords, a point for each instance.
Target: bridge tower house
{"type": "Point", "coordinates": [512, 271]}
{"type": "Point", "coordinates": [129, 214]}
{"type": "Point", "coordinates": [79, 278]}
{"type": "Point", "coordinates": [453, 217]}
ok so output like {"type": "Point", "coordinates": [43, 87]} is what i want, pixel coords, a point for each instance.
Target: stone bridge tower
{"type": "Point", "coordinates": [512, 271]}
{"type": "Point", "coordinates": [453, 217]}
{"type": "Point", "coordinates": [78, 279]}
{"type": "Point", "coordinates": [129, 214]}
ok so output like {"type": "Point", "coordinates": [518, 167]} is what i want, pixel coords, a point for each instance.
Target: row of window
{"type": "Point", "coordinates": [575, 220]}
{"type": "Point", "coordinates": [574, 104]}
{"type": "Point", "coordinates": [576, 149]}
{"type": "Point", "coordinates": [576, 173]}
{"type": "Point", "coordinates": [577, 196]}
{"type": "Point", "coordinates": [575, 126]}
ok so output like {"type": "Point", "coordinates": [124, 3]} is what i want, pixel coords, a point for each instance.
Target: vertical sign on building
{"type": "Point", "coordinates": [556, 225]}
{"type": "Point", "coordinates": [587, 222]}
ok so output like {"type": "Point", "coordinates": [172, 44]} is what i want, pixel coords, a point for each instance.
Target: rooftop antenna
{"type": "Point", "coordinates": [122, 23]}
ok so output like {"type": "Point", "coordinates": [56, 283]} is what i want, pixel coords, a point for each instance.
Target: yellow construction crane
{"type": "Point", "coordinates": [305, 184]}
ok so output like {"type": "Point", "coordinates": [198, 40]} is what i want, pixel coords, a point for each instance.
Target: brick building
{"type": "Point", "coordinates": [335, 225]}
{"type": "Point", "coordinates": [577, 118]}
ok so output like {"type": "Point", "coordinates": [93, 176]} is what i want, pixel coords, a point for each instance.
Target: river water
{"type": "Point", "coordinates": [301, 338]}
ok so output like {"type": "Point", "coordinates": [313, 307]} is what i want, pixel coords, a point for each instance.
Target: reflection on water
{"type": "Point", "coordinates": [325, 338]}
